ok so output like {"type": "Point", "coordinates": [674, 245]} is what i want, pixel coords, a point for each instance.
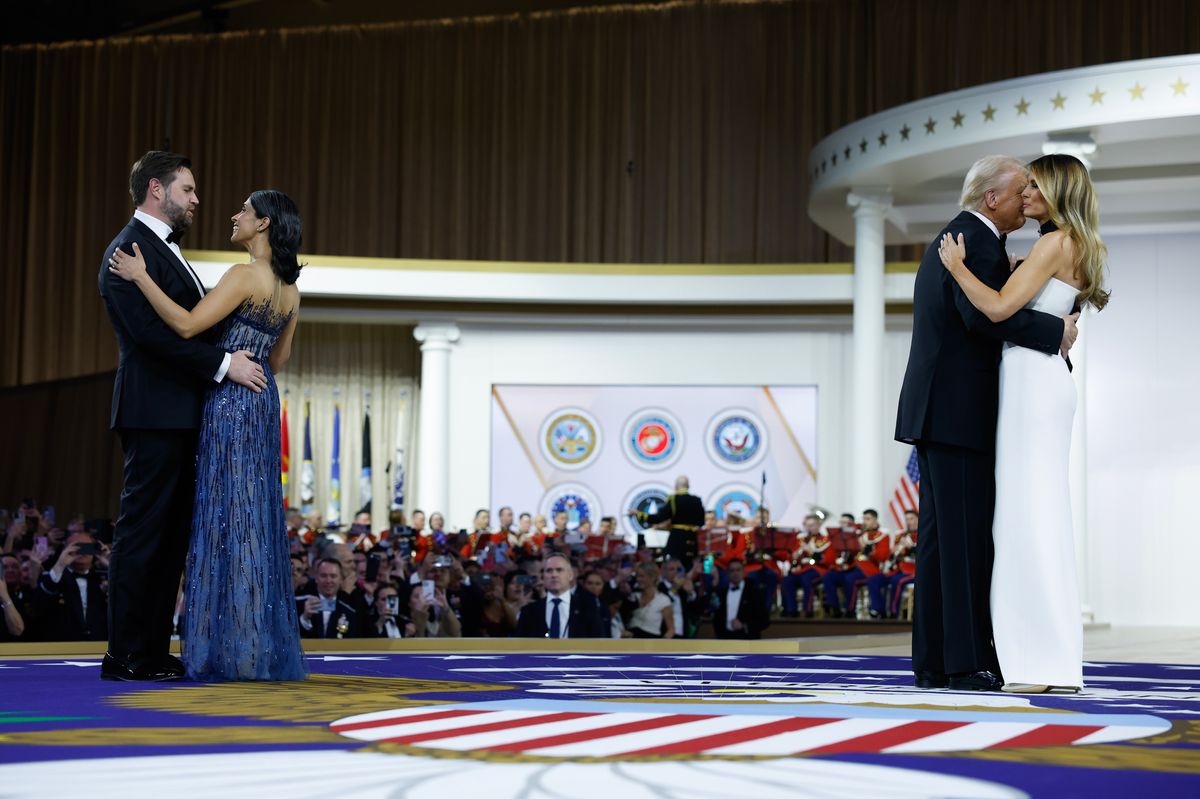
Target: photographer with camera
{"type": "Point", "coordinates": [389, 623]}
{"type": "Point", "coordinates": [72, 601]}
{"type": "Point", "coordinates": [28, 525]}
{"type": "Point", "coordinates": [430, 607]}
{"type": "Point", "coordinates": [329, 614]}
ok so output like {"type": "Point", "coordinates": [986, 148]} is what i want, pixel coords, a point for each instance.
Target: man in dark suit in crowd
{"type": "Point", "coordinates": [565, 611]}
{"type": "Point", "coordinates": [741, 611]}
{"type": "Point", "coordinates": [683, 513]}
{"type": "Point", "coordinates": [157, 399]}
{"type": "Point", "coordinates": [330, 613]}
{"type": "Point", "coordinates": [71, 600]}
{"type": "Point", "coordinates": [948, 407]}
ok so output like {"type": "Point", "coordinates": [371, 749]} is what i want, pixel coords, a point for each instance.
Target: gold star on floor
{"type": "Point", "coordinates": [1097, 97]}
{"type": "Point", "coordinates": [904, 131]}
{"type": "Point", "coordinates": [930, 125]}
{"type": "Point", "coordinates": [958, 118]}
{"type": "Point", "coordinates": [1059, 101]}
{"type": "Point", "coordinates": [1022, 107]}
{"type": "Point", "coordinates": [862, 146]}
{"type": "Point", "coordinates": [1137, 92]}
{"type": "Point", "coordinates": [1180, 87]}
{"type": "Point", "coordinates": [989, 113]}
{"type": "Point", "coordinates": [882, 139]}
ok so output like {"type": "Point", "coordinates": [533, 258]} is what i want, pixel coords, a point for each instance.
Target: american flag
{"type": "Point", "coordinates": [907, 495]}
{"type": "Point", "coordinates": [563, 733]}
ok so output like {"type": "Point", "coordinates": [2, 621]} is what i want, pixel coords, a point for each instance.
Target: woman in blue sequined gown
{"type": "Point", "coordinates": [240, 616]}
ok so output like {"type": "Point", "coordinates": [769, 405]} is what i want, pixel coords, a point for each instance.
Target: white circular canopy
{"type": "Point", "coordinates": [1137, 123]}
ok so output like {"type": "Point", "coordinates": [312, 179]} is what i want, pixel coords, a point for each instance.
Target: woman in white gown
{"type": "Point", "coordinates": [1036, 622]}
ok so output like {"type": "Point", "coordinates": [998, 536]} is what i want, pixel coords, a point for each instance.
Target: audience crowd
{"type": "Point", "coordinates": [521, 577]}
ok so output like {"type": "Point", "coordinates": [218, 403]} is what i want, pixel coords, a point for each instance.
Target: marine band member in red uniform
{"type": "Point", "coordinates": [813, 558]}
{"type": "Point", "coordinates": [852, 571]}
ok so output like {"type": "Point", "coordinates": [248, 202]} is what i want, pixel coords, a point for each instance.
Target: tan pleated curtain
{"type": "Point", "coordinates": [345, 362]}
{"type": "Point", "coordinates": [666, 132]}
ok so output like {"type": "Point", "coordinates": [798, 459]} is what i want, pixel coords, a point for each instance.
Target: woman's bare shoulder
{"type": "Point", "coordinates": [1058, 250]}
{"type": "Point", "coordinates": [1053, 241]}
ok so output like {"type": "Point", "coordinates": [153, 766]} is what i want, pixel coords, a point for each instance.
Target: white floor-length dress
{"type": "Point", "coordinates": [1036, 619]}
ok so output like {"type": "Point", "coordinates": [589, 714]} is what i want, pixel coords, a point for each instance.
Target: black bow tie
{"type": "Point", "coordinates": [1003, 238]}
{"type": "Point", "coordinates": [174, 236]}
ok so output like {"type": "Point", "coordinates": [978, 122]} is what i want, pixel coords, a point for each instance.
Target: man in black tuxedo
{"type": "Point", "coordinates": [683, 513]}
{"type": "Point", "coordinates": [157, 400]}
{"type": "Point", "coordinates": [741, 611]}
{"type": "Point", "coordinates": [948, 406]}
{"type": "Point", "coordinates": [565, 611]}
{"type": "Point", "coordinates": [72, 605]}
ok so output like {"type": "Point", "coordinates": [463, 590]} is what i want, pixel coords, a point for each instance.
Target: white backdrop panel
{"type": "Point", "coordinates": [705, 425]}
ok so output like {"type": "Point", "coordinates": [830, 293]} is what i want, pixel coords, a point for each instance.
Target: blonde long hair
{"type": "Point", "coordinates": [1070, 197]}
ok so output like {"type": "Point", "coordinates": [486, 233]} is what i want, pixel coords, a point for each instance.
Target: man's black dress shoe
{"type": "Point", "coordinates": [172, 664]}
{"type": "Point", "coordinates": [976, 681]}
{"type": "Point", "coordinates": [113, 669]}
{"type": "Point", "coordinates": [930, 679]}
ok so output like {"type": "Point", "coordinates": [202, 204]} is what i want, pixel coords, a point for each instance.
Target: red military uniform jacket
{"type": "Point", "coordinates": [736, 544]}
{"type": "Point", "coordinates": [822, 554]}
{"type": "Point", "coordinates": [876, 549]}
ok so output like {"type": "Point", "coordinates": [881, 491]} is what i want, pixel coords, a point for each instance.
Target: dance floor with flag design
{"type": "Point", "coordinates": [595, 724]}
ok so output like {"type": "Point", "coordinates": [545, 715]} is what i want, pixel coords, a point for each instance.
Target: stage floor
{"type": "Point", "coordinates": [826, 718]}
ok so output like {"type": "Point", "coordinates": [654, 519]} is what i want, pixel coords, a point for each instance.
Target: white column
{"type": "Point", "coordinates": [869, 436]}
{"type": "Point", "coordinates": [433, 435]}
{"type": "Point", "coordinates": [1078, 474]}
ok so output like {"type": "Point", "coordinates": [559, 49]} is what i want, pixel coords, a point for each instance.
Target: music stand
{"type": "Point", "coordinates": [774, 540]}
{"type": "Point", "coordinates": [844, 539]}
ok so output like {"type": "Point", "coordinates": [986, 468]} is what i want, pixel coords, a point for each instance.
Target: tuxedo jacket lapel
{"type": "Point", "coordinates": [164, 253]}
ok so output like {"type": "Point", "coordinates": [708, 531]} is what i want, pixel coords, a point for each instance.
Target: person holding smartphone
{"type": "Point", "coordinates": [12, 620]}
{"type": "Point", "coordinates": [71, 601]}
{"type": "Point", "coordinates": [388, 621]}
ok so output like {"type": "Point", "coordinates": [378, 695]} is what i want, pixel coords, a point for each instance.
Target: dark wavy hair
{"type": "Point", "coordinates": [284, 234]}
{"type": "Point", "coordinates": [157, 165]}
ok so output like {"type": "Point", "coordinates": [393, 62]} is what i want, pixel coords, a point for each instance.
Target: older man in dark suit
{"type": "Point", "coordinates": [948, 407]}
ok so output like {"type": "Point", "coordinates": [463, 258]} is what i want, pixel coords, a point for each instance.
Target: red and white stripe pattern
{"type": "Point", "coordinates": [907, 495]}
{"type": "Point", "coordinates": [570, 734]}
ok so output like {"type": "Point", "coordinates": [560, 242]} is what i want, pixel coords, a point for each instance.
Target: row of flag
{"type": "Point", "coordinates": [333, 512]}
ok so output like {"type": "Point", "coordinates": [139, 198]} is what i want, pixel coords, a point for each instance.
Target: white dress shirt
{"type": "Point", "coordinates": [162, 230]}
{"type": "Point", "coordinates": [564, 612]}
{"type": "Point", "coordinates": [991, 225]}
{"type": "Point", "coordinates": [733, 603]}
